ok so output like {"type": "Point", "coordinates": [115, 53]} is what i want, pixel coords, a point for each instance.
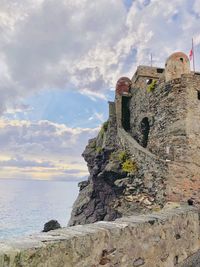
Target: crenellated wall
{"type": "Point", "coordinates": [162, 239]}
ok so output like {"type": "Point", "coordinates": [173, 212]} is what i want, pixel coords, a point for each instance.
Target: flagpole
{"type": "Point", "coordinates": [193, 55]}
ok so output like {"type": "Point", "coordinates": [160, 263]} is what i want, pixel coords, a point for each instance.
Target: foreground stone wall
{"type": "Point", "coordinates": [163, 239]}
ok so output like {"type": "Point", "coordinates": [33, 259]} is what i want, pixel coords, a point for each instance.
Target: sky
{"type": "Point", "coordinates": [59, 64]}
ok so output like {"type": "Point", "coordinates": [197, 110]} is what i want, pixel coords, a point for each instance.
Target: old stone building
{"type": "Point", "coordinates": [161, 111]}
{"type": "Point", "coordinates": [147, 153]}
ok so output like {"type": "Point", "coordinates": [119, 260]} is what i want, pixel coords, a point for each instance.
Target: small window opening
{"type": "Point", "coordinates": [181, 59]}
{"type": "Point", "coordinates": [145, 131]}
{"type": "Point", "coordinates": [198, 94]}
{"type": "Point", "coordinates": [149, 81]}
{"type": "Point", "coordinates": [160, 70]}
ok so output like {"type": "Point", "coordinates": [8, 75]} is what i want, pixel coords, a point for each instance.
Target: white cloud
{"type": "Point", "coordinates": [44, 44]}
{"type": "Point", "coordinates": [18, 108]}
{"type": "Point", "coordinates": [86, 45]}
{"type": "Point", "coordinates": [42, 138]}
{"type": "Point", "coordinates": [20, 162]}
{"type": "Point", "coordinates": [42, 147]}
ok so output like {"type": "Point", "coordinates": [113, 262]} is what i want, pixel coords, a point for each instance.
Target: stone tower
{"type": "Point", "coordinates": [122, 96]}
{"type": "Point", "coordinates": [176, 65]}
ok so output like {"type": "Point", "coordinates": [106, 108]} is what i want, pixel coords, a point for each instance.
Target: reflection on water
{"type": "Point", "coordinates": [26, 205]}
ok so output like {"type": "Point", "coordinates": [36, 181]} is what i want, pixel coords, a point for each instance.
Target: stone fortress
{"type": "Point", "coordinates": [154, 121]}
{"type": "Point", "coordinates": [133, 209]}
{"type": "Point", "coordinates": [164, 121]}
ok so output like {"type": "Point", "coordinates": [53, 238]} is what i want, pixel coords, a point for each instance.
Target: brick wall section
{"type": "Point", "coordinates": [162, 239]}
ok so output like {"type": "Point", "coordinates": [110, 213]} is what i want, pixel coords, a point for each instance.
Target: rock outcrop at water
{"type": "Point", "coordinates": [51, 225]}
{"type": "Point", "coordinates": [97, 194]}
{"type": "Point", "coordinates": [115, 186]}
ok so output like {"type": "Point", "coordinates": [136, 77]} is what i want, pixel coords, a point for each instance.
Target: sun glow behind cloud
{"type": "Point", "coordinates": [59, 62]}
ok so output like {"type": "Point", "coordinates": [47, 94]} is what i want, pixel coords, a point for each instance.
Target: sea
{"type": "Point", "coordinates": [26, 205]}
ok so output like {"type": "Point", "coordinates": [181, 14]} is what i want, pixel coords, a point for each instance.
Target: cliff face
{"type": "Point", "coordinates": [116, 185]}
{"type": "Point", "coordinates": [97, 194]}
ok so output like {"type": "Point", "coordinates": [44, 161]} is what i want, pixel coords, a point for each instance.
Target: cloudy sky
{"type": "Point", "coordinates": [59, 63]}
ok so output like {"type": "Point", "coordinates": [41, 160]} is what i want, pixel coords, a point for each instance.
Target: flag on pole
{"type": "Point", "coordinates": [191, 54]}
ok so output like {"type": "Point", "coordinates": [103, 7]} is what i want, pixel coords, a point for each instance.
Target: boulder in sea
{"type": "Point", "coordinates": [51, 225]}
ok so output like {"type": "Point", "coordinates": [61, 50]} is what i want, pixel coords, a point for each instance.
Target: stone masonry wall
{"type": "Point", "coordinates": [146, 71]}
{"type": "Point", "coordinates": [192, 86]}
{"type": "Point", "coordinates": [165, 109]}
{"type": "Point", "coordinates": [154, 169]}
{"type": "Point", "coordinates": [185, 173]}
{"type": "Point", "coordinates": [165, 239]}
{"type": "Point", "coordinates": [173, 111]}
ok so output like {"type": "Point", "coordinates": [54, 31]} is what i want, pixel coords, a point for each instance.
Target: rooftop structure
{"type": "Point", "coordinates": [123, 86]}
{"type": "Point", "coordinates": [176, 65]}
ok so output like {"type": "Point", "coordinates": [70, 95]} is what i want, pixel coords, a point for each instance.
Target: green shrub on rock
{"type": "Point", "coordinates": [93, 143]}
{"type": "Point", "coordinates": [104, 129]}
{"type": "Point", "coordinates": [105, 126]}
{"type": "Point", "coordinates": [129, 166]}
{"type": "Point", "coordinates": [123, 156]}
{"type": "Point", "coordinates": [98, 149]}
{"type": "Point", "coordinates": [151, 86]}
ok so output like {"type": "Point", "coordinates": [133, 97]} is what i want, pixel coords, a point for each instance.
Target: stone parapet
{"type": "Point", "coordinates": [162, 239]}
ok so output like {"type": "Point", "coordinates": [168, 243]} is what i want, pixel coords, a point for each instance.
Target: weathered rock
{"type": "Point", "coordinates": [138, 262]}
{"type": "Point", "coordinates": [83, 184]}
{"type": "Point", "coordinates": [110, 192]}
{"type": "Point", "coordinates": [51, 225]}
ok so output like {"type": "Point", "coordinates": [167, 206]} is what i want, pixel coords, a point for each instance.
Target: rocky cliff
{"type": "Point", "coordinates": [116, 185]}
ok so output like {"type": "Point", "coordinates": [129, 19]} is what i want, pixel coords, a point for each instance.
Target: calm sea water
{"type": "Point", "coordinates": [26, 205]}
